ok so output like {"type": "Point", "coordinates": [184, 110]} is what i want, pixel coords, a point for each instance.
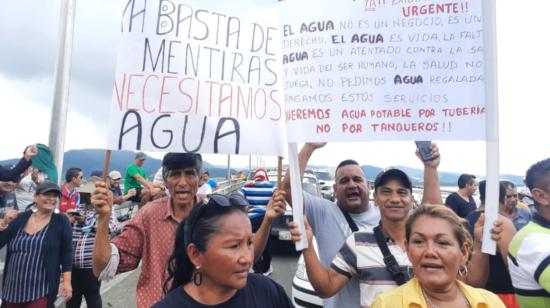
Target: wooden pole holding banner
{"type": "Point", "coordinates": [491, 123]}
{"type": "Point", "coordinates": [106, 163]}
{"type": "Point", "coordinates": [279, 171]}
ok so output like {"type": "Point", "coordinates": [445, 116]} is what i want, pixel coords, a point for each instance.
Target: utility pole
{"type": "Point", "coordinates": [62, 79]}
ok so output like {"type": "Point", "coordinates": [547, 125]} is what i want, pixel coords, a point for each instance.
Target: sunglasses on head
{"type": "Point", "coordinates": [234, 199]}
{"type": "Point", "coordinates": [218, 200]}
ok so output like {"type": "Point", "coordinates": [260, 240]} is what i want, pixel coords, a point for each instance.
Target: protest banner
{"type": "Point", "coordinates": [198, 76]}
{"type": "Point", "coordinates": [383, 70]}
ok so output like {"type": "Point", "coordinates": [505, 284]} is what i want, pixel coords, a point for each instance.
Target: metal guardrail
{"type": "Point", "coordinates": [226, 187]}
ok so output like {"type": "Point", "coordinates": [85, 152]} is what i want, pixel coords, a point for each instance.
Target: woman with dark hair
{"type": "Point", "coordinates": [212, 257]}
{"type": "Point", "coordinates": [39, 251]}
{"type": "Point", "coordinates": [439, 247]}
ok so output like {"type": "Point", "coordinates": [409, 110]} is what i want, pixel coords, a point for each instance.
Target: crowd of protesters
{"type": "Point", "coordinates": [200, 248]}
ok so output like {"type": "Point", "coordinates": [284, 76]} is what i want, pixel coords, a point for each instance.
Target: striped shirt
{"type": "Point", "coordinates": [529, 263]}
{"type": "Point", "coordinates": [25, 279]}
{"type": "Point", "coordinates": [258, 194]}
{"type": "Point", "coordinates": [360, 256]}
{"type": "Point", "coordinates": [84, 236]}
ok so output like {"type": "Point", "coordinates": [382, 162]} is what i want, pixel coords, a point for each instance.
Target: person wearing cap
{"type": "Point", "coordinates": [39, 252]}
{"type": "Point", "coordinates": [361, 255]}
{"type": "Point", "coordinates": [70, 197]}
{"type": "Point", "coordinates": [258, 193]}
{"type": "Point", "coordinates": [136, 178]}
{"type": "Point", "coordinates": [334, 222]}
{"type": "Point", "coordinates": [114, 187]}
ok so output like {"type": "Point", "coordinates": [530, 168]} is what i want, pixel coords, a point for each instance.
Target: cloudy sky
{"type": "Point", "coordinates": [28, 36]}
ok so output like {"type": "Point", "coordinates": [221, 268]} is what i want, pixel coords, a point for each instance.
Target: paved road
{"type": "Point", "coordinates": [121, 293]}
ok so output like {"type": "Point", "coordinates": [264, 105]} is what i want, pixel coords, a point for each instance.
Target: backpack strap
{"type": "Point", "coordinates": [350, 221]}
{"type": "Point", "coordinates": [391, 264]}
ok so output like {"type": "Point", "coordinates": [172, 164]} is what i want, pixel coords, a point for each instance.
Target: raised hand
{"type": "Point", "coordinates": [30, 151]}
{"type": "Point", "coordinates": [102, 199]}
{"type": "Point", "coordinates": [315, 145]}
{"type": "Point", "coordinates": [434, 163]}
{"type": "Point", "coordinates": [276, 206]}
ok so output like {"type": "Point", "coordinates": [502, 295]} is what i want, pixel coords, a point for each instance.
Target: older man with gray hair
{"type": "Point", "coordinates": [149, 236]}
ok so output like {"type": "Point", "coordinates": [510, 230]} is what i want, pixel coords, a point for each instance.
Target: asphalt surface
{"type": "Point", "coordinates": [121, 292]}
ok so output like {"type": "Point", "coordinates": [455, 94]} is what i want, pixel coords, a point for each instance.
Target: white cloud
{"type": "Point", "coordinates": [28, 121]}
{"type": "Point", "coordinates": [26, 87]}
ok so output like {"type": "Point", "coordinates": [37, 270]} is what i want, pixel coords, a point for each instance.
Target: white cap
{"type": "Point", "coordinates": [115, 175]}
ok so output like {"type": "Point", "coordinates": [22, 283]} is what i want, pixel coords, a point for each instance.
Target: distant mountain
{"type": "Point", "coordinates": [417, 175]}
{"type": "Point", "coordinates": [93, 159]}
{"type": "Point", "coordinates": [445, 178]}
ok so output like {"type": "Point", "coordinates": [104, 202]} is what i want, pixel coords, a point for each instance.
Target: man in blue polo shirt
{"type": "Point", "coordinates": [258, 193]}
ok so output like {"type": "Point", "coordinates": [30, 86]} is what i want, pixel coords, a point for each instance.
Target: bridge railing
{"type": "Point", "coordinates": [227, 187]}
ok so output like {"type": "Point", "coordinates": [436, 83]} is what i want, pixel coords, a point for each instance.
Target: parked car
{"type": "Point", "coordinates": [279, 228]}
{"type": "Point", "coordinates": [303, 294]}
{"type": "Point", "coordinates": [326, 183]}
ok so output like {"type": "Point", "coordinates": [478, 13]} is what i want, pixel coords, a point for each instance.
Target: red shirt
{"type": "Point", "coordinates": [148, 237]}
{"type": "Point", "coordinates": [69, 199]}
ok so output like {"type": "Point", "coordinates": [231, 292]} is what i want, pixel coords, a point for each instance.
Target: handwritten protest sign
{"type": "Point", "coordinates": [383, 70]}
{"type": "Point", "coordinates": [198, 76]}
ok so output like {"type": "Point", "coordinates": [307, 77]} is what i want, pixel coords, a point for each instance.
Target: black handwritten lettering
{"type": "Point", "coordinates": [164, 131]}
{"type": "Point", "coordinates": [147, 55]}
{"type": "Point", "coordinates": [133, 15]}
{"type": "Point", "coordinates": [137, 126]}
{"type": "Point", "coordinates": [236, 131]}
{"type": "Point", "coordinates": [184, 135]}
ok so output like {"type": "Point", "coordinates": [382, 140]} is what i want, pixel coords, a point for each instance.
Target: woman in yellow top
{"type": "Point", "coordinates": [439, 247]}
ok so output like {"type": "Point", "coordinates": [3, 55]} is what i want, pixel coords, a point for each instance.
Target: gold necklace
{"type": "Point", "coordinates": [33, 221]}
{"type": "Point", "coordinates": [432, 305]}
